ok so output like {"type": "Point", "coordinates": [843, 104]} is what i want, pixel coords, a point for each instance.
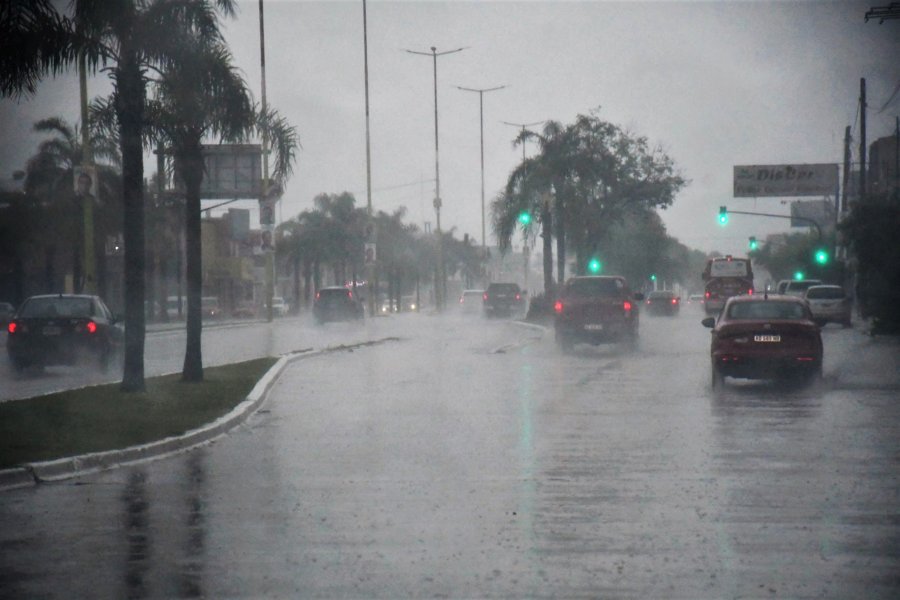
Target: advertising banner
{"type": "Point", "coordinates": [756, 181]}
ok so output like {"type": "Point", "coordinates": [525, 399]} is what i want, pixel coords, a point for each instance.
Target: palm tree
{"type": "Point", "coordinates": [133, 35]}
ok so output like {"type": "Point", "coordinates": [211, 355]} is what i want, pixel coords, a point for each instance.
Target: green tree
{"type": "Point", "coordinates": [133, 36]}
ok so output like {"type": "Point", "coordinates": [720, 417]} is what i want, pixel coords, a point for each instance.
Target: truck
{"type": "Point", "coordinates": [724, 277]}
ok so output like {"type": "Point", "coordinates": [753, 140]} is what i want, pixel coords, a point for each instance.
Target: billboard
{"type": "Point", "coordinates": [754, 181]}
{"type": "Point", "coordinates": [231, 171]}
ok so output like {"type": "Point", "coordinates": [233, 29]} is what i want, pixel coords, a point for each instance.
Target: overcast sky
{"type": "Point", "coordinates": [715, 83]}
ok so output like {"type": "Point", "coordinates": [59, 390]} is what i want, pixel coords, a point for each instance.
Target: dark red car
{"type": "Point", "coordinates": [596, 310]}
{"type": "Point", "coordinates": [764, 337]}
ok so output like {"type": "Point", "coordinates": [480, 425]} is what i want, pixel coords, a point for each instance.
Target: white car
{"type": "Point", "coordinates": [829, 303]}
{"type": "Point", "coordinates": [279, 307]}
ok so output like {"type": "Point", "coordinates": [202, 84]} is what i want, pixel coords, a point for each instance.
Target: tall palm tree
{"type": "Point", "coordinates": [132, 36]}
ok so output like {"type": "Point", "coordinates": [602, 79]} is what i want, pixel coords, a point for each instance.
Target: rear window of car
{"type": "Point", "coordinates": [58, 307]}
{"type": "Point", "coordinates": [766, 309]}
{"type": "Point", "coordinates": [825, 293]}
{"type": "Point", "coordinates": [588, 288]}
{"type": "Point", "coordinates": [333, 294]}
{"type": "Point", "coordinates": [503, 288]}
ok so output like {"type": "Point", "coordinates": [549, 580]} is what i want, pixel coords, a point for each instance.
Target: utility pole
{"type": "Point", "coordinates": [269, 251]}
{"type": "Point", "coordinates": [371, 267]}
{"type": "Point", "coordinates": [440, 288]}
{"type": "Point", "coordinates": [481, 129]}
{"type": "Point", "coordinates": [846, 170]}
{"type": "Point", "coordinates": [862, 138]}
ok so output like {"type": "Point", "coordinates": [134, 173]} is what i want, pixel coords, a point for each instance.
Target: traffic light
{"type": "Point", "coordinates": [723, 215]}
{"type": "Point", "coordinates": [594, 266]}
{"type": "Point", "coordinates": [754, 245]}
{"type": "Point", "coordinates": [525, 218]}
{"type": "Point", "coordinates": [653, 277]}
{"type": "Point", "coordinates": [798, 275]}
{"type": "Point", "coordinates": [822, 256]}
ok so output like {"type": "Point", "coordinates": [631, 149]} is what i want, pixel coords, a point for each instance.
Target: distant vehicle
{"type": "Point", "coordinates": [663, 302]}
{"type": "Point", "coordinates": [829, 303]}
{"type": "Point", "coordinates": [172, 303]}
{"type": "Point", "coordinates": [596, 310]}
{"type": "Point", "coordinates": [471, 301]}
{"type": "Point", "coordinates": [781, 288]}
{"type": "Point", "coordinates": [279, 307]}
{"type": "Point", "coordinates": [798, 287]}
{"type": "Point", "coordinates": [724, 277]}
{"type": "Point", "coordinates": [7, 311]}
{"type": "Point", "coordinates": [336, 304]}
{"type": "Point", "coordinates": [209, 307]}
{"type": "Point", "coordinates": [244, 310]}
{"type": "Point", "coordinates": [764, 337]}
{"type": "Point", "coordinates": [695, 299]}
{"type": "Point", "coordinates": [63, 329]}
{"type": "Point", "coordinates": [409, 304]}
{"type": "Point", "coordinates": [503, 300]}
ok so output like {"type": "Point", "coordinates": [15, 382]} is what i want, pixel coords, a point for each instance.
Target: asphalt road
{"type": "Point", "coordinates": [470, 458]}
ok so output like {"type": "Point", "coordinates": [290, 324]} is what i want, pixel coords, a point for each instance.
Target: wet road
{"type": "Point", "coordinates": [471, 459]}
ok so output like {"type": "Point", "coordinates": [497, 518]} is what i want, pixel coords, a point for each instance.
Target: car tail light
{"type": "Point", "coordinates": [518, 296]}
{"type": "Point", "coordinates": [350, 295]}
{"type": "Point", "coordinates": [627, 306]}
{"type": "Point", "coordinates": [12, 327]}
{"type": "Point", "coordinates": [674, 300]}
{"type": "Point", "coordinates": [706, 295]}
{"type": "Point", "coordinates": [91, 327]}
{"type": "Point", "coordinates": [750, 292]}
{"type": "Point", "coordinates": [558, 307]}
{"type": "Point", "coordinates": [484, 296]}
{"type": "Point", "coordinates": [648, 300]}
{"type": "Point", "coordinates": [317, 295]}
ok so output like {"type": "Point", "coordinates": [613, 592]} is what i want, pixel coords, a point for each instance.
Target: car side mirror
{"type": "Point", "coordinates": [638, 296]}
{"type": "Point", "coordinates": [709, 322]}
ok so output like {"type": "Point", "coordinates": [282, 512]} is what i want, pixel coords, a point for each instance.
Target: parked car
{"type": "Point", "coordinates": [336, 304]}
{"type": "Point", "coordinates": [471, 301]}
{"type": "Point", "coordinates": [7, 311]}
{"type": "Point", "coordinates": [829, 303]}
{"type": "Point", "coordinates": [503, 300]}
{"type": "Point", "coordinates": [63, 329]}
{"type": "Point", "coordinates": [595, 310]}
{"type": "Point", "coordinates": [663, 302]}
{"type": "Point", "coordinates": [209, 307]}
{"type": "Point", "coordinates": [798, 287]}
{"type": "Point", "coordinates": [279, 307]}
{"type": "Point", "coordinates": [764, 337]}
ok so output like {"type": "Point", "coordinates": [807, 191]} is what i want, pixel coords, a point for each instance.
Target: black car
{"type": "Point", "coordinates": [503, 300]}
{"type": "Point", "coordinates": [63, 329]}
{"type": "Point", "coordinates": [596, 310]}
{"type": "Point", "coordinates": [336, 304]}
{"type": "Point", "coordinates": [663, 302]}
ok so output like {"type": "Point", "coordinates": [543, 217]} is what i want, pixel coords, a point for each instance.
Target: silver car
{"type": "Point", "coordinates": [829, 303]}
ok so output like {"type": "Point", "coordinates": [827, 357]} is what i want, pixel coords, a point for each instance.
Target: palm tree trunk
{"type": "Point", "coordinates": [547, 241]}
{"type": "Point", "coordinates": [560, 238]}
{"type": "Point", "coordinates": [192, 173]}
{"type": "Point", "coordinates": [130, 113]}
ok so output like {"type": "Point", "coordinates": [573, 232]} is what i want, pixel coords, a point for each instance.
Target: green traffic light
{"type": "Point", "coordinates": [594, 265]}
{"type": "Point", "coordinates": [653, 277]}
{"type": "Point", "coordinates": [723, 215]}
{"type": "Point", "coordinates": [798, 275]}
{"type": "Point", "coordinates": [525, 218]}
{"type": "Point", "coordinates": [753, 243]}
{"type": "Point", "coordinates": [821, 257]}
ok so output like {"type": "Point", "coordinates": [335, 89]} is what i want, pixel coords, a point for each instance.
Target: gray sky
{"type": "Point", "coordinates": [715, 83]}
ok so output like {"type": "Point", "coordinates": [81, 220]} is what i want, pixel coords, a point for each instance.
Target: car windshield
{"type": "Point", "coordinates": [58, 307]}
{"type": "Point", "coordinates": [766, 309]}
{"type": "Point", "coordinates": [825, 293]}
{"type": "Point", "coordinates": [587, 288]}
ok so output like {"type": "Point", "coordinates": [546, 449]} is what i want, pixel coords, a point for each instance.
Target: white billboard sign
{"type": "Point", "coordinates": [754, 181]}
{"type": "Point", "coordinates": [231, 171]}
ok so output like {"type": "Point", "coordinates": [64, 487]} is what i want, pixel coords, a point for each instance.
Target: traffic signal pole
{"type": "Point", "coordinates": [773, 216]}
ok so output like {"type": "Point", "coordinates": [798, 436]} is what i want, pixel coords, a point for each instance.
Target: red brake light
{"type": "Point", "coordinates": [750, 291]}
{"type": "Point", "coordinates": [11, 327]}
{"type": "Point", "coordinates": [518, 296]}
{"type": "Point", "coordinates": [626, 305]}
{"type": "Point", "coordinates": [674, 300]}
{"type": "Point", "coordinates": [706, 294]}
{"type": "Point", "coordinates": [350, 294]}
{"type": "Point", "coordinates": [91, 327]}
{"type": "Point", "coordinates": [484, 296]}
{"type": "Point", "coordinates": [558, 306]}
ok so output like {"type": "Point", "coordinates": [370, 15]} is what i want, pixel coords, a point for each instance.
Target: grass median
{"type": "Point", "coordinates": [102, 417]}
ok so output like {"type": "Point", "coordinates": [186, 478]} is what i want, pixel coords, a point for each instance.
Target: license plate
{"type": "Point", "coordinates": [594, 327]}
{"type": "Point", "coordinates": [52, 330]}
{"type": "Point", "coordinates": [766, 338]}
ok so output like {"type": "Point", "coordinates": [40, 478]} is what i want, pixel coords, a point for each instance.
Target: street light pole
{"type": "Point", "coordinates": [523, 126]}
{"type": "Point", "coordinates": [440, 292]}
{"type": "Point", "coordinates": [371, 279]}
{"type": "Point", "coordinates": [525, 249]}
{"type": "Point", "coordinates": [269, 256]}
{"type": "Point", "coordinates": [481, 128]}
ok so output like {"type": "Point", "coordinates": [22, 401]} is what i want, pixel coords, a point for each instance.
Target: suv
{"type": "Point", "coordinates": [336, 304]}
{"type": "Point", "coordinates": [596, 309]}
{"type": "Point", "coordinates": [798, 287]}
{"type": "Point", "coordinates": [503, 299]}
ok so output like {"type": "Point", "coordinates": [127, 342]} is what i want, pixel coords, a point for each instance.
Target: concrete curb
{"type": "Point", "coordinates": [64, 468]}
